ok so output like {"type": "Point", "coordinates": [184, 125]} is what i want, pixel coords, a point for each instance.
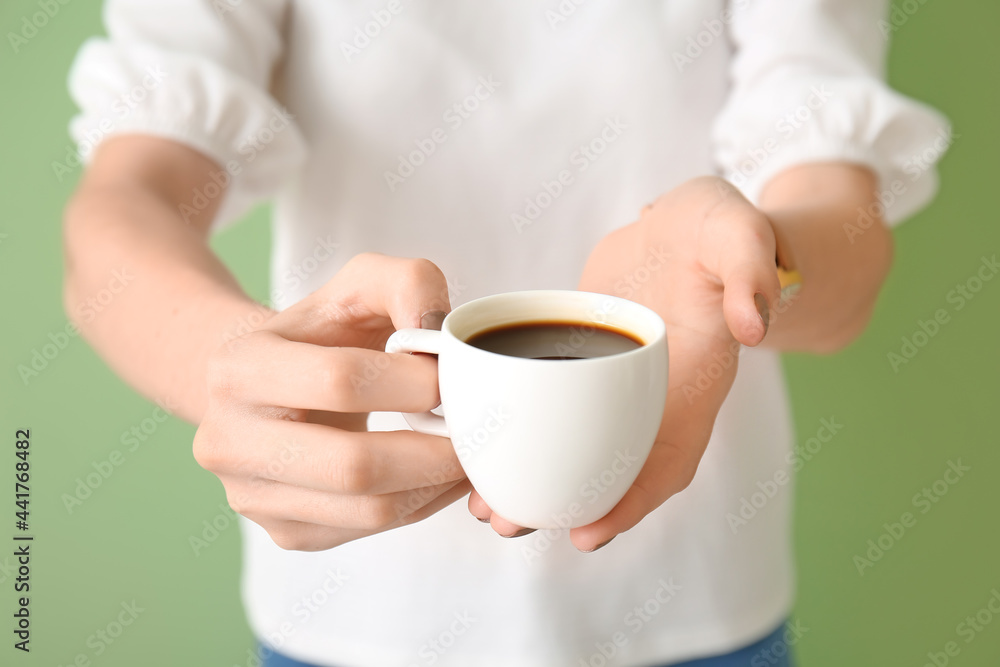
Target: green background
{"type": "Point", "coordinates": [129, 539]}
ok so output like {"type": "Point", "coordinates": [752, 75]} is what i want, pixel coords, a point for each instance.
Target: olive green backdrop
{"type": "Point", "coordinates": [129, 540]}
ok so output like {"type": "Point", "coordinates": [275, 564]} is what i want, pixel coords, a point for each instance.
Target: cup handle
{"type": "Point", "coordinates": [427, 341]}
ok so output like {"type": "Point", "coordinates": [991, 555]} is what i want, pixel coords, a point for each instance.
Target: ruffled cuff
{"type": "Point", "coordinates": [194, 101]}
{"type": "Point", "coordinates": [762, 133]}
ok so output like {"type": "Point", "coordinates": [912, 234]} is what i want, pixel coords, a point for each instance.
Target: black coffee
{"type": "Point", "coordinates": [555, 340]}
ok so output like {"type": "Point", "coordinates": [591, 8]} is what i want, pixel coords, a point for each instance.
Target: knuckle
{"type": "Point", "coordinates": [363, 258]}
{"type": "Point", "coordinates": [424, 390]}
{"type": "Point", "coordinates": [206, 448]}
{"type": "Point", "coordinates": [343, 383]}
{"type": "Point", "coordinates": [223, 368]}
{"type": "Point", "coordinates": [227, 367]}
{"type": "Point", "coordinates": [239, 503]}
{"type": "Point", "coordinates": [376, 512]}
{"type": "Point", "coordinates": [422, 271]}
{"type": "Point", "coordinates": [217, 374]}
{"type": "Point", "coordinates": [353, 469]}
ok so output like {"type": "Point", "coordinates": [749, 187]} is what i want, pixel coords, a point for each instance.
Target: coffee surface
{"type": "Point", "coordinates": [563, 341]}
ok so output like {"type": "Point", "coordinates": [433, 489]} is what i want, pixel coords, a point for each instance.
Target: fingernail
{"type": "Point", "coordinates": [521, 533]}
{"type": "Point", "coordinates": [482, 520]}
{"type": "Point", "coordinates": [432, 319]}
{"type": "Point", "coordinates": [763, 310]}
{"type": "Point", "coordinates": [599, 546]}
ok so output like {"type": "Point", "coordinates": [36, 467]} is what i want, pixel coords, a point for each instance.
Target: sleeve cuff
{"type": "Point", "coordinates": [137, 89]}
{"type": "Point", "coordinates": [861, 122]}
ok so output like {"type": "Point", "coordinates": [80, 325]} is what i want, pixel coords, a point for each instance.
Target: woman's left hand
{"type": "Point", "coordinates": [702, 257]}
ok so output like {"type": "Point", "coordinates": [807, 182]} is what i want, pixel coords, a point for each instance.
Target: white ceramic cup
{"type": "Point", "coordinates": [546, 443]}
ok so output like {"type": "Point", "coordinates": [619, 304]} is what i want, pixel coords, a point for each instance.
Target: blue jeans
{"type": "Point", "coordinates": [771, 651]}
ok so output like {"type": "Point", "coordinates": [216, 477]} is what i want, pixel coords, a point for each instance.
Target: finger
{"type": "Point", "coordinates": [400, 290]}
{"type": "Point", "coordinates": [330, 460]}
{"type": "Point", "coordinates": [650, 490]}
{"type": "Point", "coordinates": [369, 513]}
{"type": "Point", "coordinates": [684, 433]}
{"type": "Point", "coordinates": [267, 369]}
{"type": "Point", "coordinates": [478, 507]}
{"type": "Point", "coordinates": [740, 249]}
{"type": "Point", "coordinates": [456, 492]}
{"type": "Point", "coordinates": [299, 536]}
{"type": "Point", "coordinates": [749, 292]}
{"type": "Point", "coordinates": [505, 528]}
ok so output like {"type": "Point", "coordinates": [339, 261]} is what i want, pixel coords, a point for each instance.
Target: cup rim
{"type": "Point", "coordinates": [653, 321]}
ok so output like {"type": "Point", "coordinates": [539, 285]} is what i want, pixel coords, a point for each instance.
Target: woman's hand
{"type": "Point", "coordinates": [703, 258]}
{"type": "Point", "coordinates": [284, 428]}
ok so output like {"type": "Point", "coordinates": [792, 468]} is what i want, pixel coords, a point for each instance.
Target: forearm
{"type": "Point", "coordinates": [173, 301]}
{"type": "Point", "coordinates": [809, 207]}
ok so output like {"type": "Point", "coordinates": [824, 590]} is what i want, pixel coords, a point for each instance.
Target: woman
{"type": "Point", "coordinates": [504, 146]}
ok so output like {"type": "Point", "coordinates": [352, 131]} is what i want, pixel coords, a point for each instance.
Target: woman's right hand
{"type": "Point", "coordinates": [284, 428]}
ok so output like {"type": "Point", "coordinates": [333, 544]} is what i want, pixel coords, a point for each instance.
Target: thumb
{"type": "Point", "coordinates": [750, 288]}
{"type": "Point", "coordinates": [404, 291]}
{"type": "Point", "coordinates": [740, 251]}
